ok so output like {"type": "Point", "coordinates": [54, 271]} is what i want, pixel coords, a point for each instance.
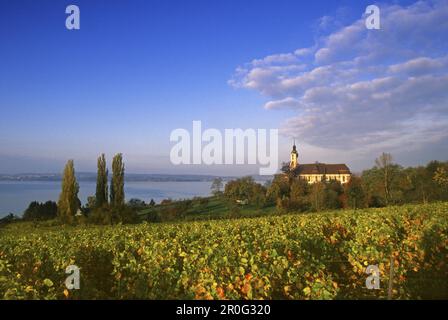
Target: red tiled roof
{"type": "Point", "coordinates": [322, 168]}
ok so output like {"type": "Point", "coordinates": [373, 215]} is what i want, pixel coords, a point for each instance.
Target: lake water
{"type": "Point", "coordinates": [15, 196]}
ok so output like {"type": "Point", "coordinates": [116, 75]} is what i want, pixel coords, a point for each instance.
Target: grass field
{"type": "Point", "coordinates": [295, 256]}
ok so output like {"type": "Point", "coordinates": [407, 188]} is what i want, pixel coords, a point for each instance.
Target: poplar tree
{"type": "Point", "coordinates": [117, 182]}
{"type": "Point", "coordinates": [101, 195]}
{"type": "Point", "coordinates": [68, 203]}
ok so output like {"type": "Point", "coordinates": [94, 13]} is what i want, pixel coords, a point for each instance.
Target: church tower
{"type": "Point", "coordinates": [294, 157]}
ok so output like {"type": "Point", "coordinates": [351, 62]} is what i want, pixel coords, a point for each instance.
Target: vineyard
{"type": "Point", "coordinates": [309, 256]}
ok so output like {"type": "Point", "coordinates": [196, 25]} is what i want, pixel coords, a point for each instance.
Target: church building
{"type": "Point", "coordinates": [315, 172]}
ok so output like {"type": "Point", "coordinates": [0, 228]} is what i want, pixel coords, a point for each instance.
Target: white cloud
{"type": "Point", "coordinates": [285, 58]}
{"type": "Point", "coordinates": [303, 52]}
{"type": "Point", "coordinates": [421, 65]}
{"type": "Point", "coordinates": [283, 103]}
{"type": "Point", "coordinates": [364, 90]}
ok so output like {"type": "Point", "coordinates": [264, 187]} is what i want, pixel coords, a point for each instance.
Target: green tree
{"type": "Point", "coordinates": [68, 203]}
{"type": "Point", "coordinates": [299, 195]}
{"type": "Point", "coordinates": [282, 205]}
{"type": "Point", "coordinates": [239, 189]}
{"type": "Point", "coordinates": [420, 187]}
{"type": "Point", "coordinates": [441, 177]}
{"type": "Point", "coordinates": [41, 211]}
{"type": "Point", "coordinates": [355, 193]}
{"type": "Point", "coordinates": [258, 195]}
{"type": "Point", "coordinates": [136, 203]}
{"type": "Point", "coordinates": [333, 194]}
{"type": "Point", "coordinates": [117, 182]}
{"type": "Point", "coordinates": [101, 196]}
{"type": "Point", "coordinates": [216, 186]}
{"type": "Point", "coordinates": [91, 202]}
{"type": "Point", "coordinates": [373, 187]}
{"type": "Point", "coordinates": [386, 183]}
{"type": "Point", "coordinates": [317, 196]}
{"type": "Point", "coordinates": [278, 188]}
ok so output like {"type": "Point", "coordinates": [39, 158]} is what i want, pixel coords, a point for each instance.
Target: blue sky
{"type": "Point", "coordinates": [136, 70]}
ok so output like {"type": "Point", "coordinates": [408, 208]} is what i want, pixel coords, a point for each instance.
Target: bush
{"type": "Point", "coordinates": [41, 211]}
{"type": "Point", "coordinates": [109, 215]}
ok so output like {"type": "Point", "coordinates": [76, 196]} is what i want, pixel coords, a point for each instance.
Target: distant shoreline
{"type": "Point", "coordinates": [131, 177]}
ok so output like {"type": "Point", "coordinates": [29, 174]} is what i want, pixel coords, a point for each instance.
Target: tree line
{"type": "Point", "coordinates": [387, 183]}
{"type": "Point", "coordinates": [107, 206]}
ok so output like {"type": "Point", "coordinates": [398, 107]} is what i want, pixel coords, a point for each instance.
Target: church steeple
{"type": "Point", "coordinates": [294, 157]}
